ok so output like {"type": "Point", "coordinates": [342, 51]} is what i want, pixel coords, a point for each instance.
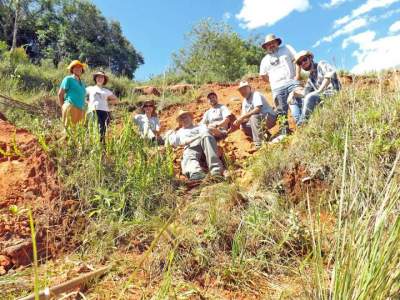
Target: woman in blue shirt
{"type": "Point", "coordinates": [71, 94]}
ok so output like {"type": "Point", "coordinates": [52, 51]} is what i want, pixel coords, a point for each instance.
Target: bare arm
{"type": "Point", "coordinates": [61, 95]}
{"type": "Point", "coordinates": [324, 85]}
{"type": "Point", "coordinates": [246, 116]}
{"type": "Point", "coordinates": [224, 123]}
{"type": "Point", "coordinates": [112, 99]}
{"type": "Point", "coordinates": [298, 72]}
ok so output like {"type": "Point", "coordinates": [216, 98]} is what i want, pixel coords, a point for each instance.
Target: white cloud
{"type": "Point", "coordinates": [347, 29]}
{"type": "Point", "coordinates": [258, 13]}
{"type": "Point", "coordinates": [333, 3]}
{"type": "Point", "coordinates": [361, 38]}
{"type": "Point", "coordinates": [395, 27]}
{"type": "Point", "coordinates": [368, 6]}
{"type": "Point", "coordinates": [374, 54]}
{"type": "Point", "coordinates": [226, 16]}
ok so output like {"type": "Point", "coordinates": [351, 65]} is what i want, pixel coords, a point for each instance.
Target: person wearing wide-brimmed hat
{"type": "Point", "coordinates": [322, 82]}
{"type": "Point", "coordinates": [99, 99]}
{"type": "Point", "coordinates": [279, 69]}
{"type": "Point", "coordinates": [148, 122]}
{"type": "Point", "coordinates": [71, 94]}
{"type": "Point", "coordinates": [218, 116]}
{"type": "Point", "coordinates": [197, 140]}
{"type": "Point", "coordinates": [256, 114]}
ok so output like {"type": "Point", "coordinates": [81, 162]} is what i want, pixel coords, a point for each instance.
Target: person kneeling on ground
{"type": "Point", "coordinates": [256, 115]}
{"type": "Point", "coordinates": [148, 122]}
{"type": "Point", "coordinates": [71, 95]}
{"type": "Point", "coordinates": [322, 82]}
{"type": "Point", "coordinates": [218, 116]}
{"type": "Point", "coordinates": [198, 140]}
{"type": "Point", "coordinates": [99, 97]}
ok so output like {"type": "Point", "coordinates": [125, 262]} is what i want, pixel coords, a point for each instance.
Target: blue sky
{"type": "Point", "coordinates": [356, 35]}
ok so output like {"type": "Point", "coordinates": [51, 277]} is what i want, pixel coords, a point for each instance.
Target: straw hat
{"type": "Point", "coordinates": [75, 63]}
{"type": "Point", "coordinates": [243, 84]}
{"type": "Point", "coordinates": [182, 113]}
{"type": "Point", "coordinates": [301, 54]}
{"type": "Point", "coordinates": [100, 73]}
{"type": "Point", "coordinates": [148, 102]}
{"type": "Point", "coordinates": [270, 38]}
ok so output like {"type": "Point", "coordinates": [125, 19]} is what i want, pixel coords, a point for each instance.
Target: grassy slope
{"type": "Point", "coordinates": [247, 239]}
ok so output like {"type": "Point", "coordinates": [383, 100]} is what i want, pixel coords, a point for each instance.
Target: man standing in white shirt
{"type": "Point", "coordinates": [218, 116]}
{"type": "Point", "coordinates": [279, 69]}
{"type": "Point", "coordinates": [256, 114]}
{"type": "Point", "coordinates": [198, 140]}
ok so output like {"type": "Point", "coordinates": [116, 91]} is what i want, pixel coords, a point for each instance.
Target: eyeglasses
{"type": "Point", "coordinates": [303, 60]}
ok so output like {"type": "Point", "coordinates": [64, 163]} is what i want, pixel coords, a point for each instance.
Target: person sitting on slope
{"type": "Point", "coordinates": [148, 122]}
{"type": "Point", "coordinates": [198, 141]}
{"type": "Point", "coordinates": [256, 116]}
{"type": "Point", "coordinates": [322, 83]}
{"type": "Point", "coordinates": [218, 116]}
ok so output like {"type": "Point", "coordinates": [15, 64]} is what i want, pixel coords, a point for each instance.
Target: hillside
{"type": "Point", "coordinates": [315, 217]}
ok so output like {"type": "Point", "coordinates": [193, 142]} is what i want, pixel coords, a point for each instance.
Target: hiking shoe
{"type": "Point", "coordinates": [215, 172]}
{"type": "Point", "coordinates": [277, 139]}
{"type": "Point", "coordinates": [197, 176]}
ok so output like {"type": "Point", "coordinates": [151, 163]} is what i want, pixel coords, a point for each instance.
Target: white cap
{"type": "Point", "coordinates": [243, 84]}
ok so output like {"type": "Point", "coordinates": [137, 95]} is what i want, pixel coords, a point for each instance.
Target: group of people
{"type": "Point", "coordinates": [281, 67]}
{"type": "Point", "coordinates": [78, 101]}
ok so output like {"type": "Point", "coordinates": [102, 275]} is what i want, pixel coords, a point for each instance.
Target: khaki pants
{"type": "Point", "coordinates": [206, 145]}
{"type": "Point", "coordinates": [71, 115]}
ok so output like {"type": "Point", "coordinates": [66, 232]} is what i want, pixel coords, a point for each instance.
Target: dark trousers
{"type": "Point", "coordinates": [103, 119]}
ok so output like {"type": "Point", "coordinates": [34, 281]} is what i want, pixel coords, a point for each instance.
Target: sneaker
{"type": "Point", "coordinates": [277, 139]}
{"type": "Point", "coordinates": [215, 172]}
{"type": "Point", "coordinates": [197, 176]}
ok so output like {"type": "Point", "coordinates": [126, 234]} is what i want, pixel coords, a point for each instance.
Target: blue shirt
{"type": "Point", "coordinates": [75, 91]}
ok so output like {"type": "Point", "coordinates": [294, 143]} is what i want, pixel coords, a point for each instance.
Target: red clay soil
{"type": "Point", "coordinates": [27, 181]}
{"type": "Point", "coordinates": [298, 183]}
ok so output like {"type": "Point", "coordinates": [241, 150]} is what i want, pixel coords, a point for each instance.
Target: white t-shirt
{"type": "Point", "coordinates": [256, 99]}
{"type": "Point", "coordinates": [215, 114]}
{"type": "Point", "coordinates": [147, 126]}
{"type": "Point", "coordinates": [279, 67]}
{"type": "Point", "coordinates": [185, 135]}
{"type": "Point", "coordinates": [98, 98]}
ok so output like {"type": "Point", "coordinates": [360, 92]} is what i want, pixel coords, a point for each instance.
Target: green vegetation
{"type": "Point", "coordinates": [215, 53]}
{"type": "Point", "coordinates": [61, 31]}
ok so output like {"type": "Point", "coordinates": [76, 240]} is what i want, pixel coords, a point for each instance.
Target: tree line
{"type": "Point", "coordinates": [62, 30]}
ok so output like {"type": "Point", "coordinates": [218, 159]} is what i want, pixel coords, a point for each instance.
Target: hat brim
{"type": "Point", "coordinates": [152, 103]}
{"type": "Point", "coordinates": [277, 39]}
{"type": "Point", "coordinates": [240, 87]}
{"type": "Point", "coordinates": [100, 74]}
{"type": "Point", "coordinates": [296, 61]}
{"type": "Point", "coordinates": [70, 67]}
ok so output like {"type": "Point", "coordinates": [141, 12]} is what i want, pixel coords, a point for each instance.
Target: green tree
{"type": "Point", "coordinates": [62, 30]}
{"type": "Point", "coordinates": [216, 53]}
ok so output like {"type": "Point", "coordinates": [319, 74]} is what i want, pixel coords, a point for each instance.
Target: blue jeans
{"type": "Point", "coordinates": [296, 110]}
{"type": "Point", "coordinates": [310, 101]}
{"type": "Point", "coordinates": [281, 96]}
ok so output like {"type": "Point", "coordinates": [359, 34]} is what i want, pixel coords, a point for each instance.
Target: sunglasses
{"type": "Point", "coordinates": [148, 106]}
{"type": "Point", "coordinates": [303, 60]}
